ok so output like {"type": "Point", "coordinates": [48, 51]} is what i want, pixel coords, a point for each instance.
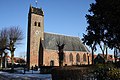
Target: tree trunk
{"type": "Point", "coordinates": [60, 63]}
{"type": "Point", "coordinates": [92, 56]}
{"type": "Point", "coordinates": [5, 60]}
{"type": "Point", "coordinates": [1, 61]}
{"type": "Point", "coordinates": [12, 60]}
{"type": "Point", "coordinates": [115, 52]}
{"type": "Point", "coordinates": [93, 48]}
{"type": "Point", "coordinates": [61, 59]}
{"type": "Point", "coordinates": [106, 53]}
{"type": "Point", "coordinates": [102, 51]}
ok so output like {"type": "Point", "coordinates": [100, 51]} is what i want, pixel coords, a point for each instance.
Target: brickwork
{"type": "Point", "coordinates": [36, 34]}
{"type": "Point", "coordinates": [52, 55]}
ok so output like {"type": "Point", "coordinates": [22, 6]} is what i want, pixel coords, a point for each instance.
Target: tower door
{"type": "Point", "coordinates": [52, 63]}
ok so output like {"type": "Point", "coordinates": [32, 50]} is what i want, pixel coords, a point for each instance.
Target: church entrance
{"type": "Point", "coordinates": [52, 63]}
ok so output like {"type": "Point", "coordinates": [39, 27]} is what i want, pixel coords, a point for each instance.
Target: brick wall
{"type": "Point", "coordinates": [51, 55]}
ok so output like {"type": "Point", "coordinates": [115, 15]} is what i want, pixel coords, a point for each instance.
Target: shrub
{"type": "Point", "coordinates": [68, 73]}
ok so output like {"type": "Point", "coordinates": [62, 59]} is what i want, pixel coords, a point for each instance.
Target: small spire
{"type": "Point", "coordinates": [36, 3]}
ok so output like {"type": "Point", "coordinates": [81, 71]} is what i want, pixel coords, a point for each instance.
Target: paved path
{"type": "Point", "coordinates": [13, 76]}
{"type": "Point", "coordinates": [3, 78]}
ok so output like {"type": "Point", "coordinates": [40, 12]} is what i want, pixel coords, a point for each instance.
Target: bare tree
{"type": "Point", "coordinates": [9, 37]}
{"type": "Point", "coordinates": [3, 43]}
{"type": "Point", "coordinates": [60, 44]}
{"type": "Point", "coordinates": [15, 35]}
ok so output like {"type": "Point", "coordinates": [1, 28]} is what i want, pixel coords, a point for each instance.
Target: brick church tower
{"type": "Point", "coordinates": [35, 37]}
{"type": "Point", "coordinates": [41, 46]}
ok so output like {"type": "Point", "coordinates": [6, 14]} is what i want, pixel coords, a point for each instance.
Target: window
{"type": "Point", "coordinates": [77, 58]}
{"type": "Point", "coordinates": [39, 24]}
{"type": "Point", "coordinates": [84, 57]}
{"type": "Point", "coordinates": [35, 24]}
{"type": "Point", "coordinates": [71, 57]}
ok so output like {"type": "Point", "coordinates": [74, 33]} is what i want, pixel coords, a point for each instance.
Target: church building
{"type": "Point", "coordinates": [42, 47]}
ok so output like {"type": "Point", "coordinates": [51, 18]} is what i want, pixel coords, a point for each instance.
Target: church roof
{"type": "Point", "coordinates": [71, 43]}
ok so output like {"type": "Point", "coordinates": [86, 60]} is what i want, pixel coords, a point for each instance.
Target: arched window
{"type": "Point", "coordinates": [84, 57]}
{"type": "Point", "coordinates": [77, 58]}
{"type": "Point", "coordinates": [39, 24]}
{"type": "Point", "coordinates": [35, 24]}
{"type": "Point", "coordinates": [71, 57]}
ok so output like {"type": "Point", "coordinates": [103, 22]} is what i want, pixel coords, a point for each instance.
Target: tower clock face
{"type": "Point", "coordinates": [37, 32]}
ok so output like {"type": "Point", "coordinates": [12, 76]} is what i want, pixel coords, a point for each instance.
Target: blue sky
{"type": "Point", "coordinates": [61, 16]}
